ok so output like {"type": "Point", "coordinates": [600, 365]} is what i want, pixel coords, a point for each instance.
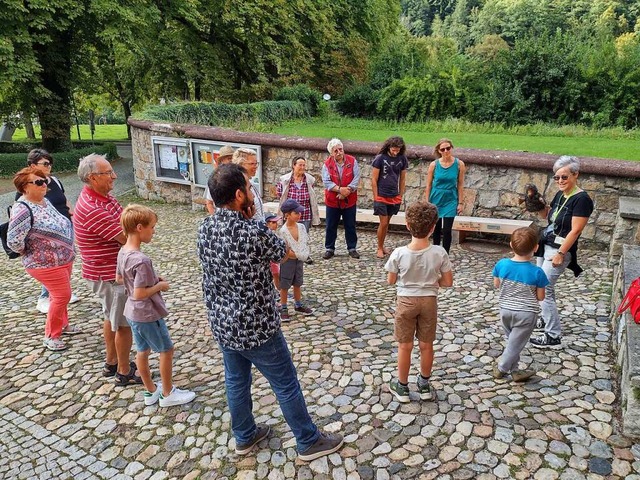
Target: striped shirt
{"type": "Point", "coordinates": [518, 284]}
{"type": "Point", "coordinates": [97, 223]}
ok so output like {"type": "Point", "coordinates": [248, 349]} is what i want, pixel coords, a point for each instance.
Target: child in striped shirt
{"type": "Point", "coordinates": [522, 286]}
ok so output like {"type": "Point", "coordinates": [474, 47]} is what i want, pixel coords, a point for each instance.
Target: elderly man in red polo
{"type": "Point", "coordinates": [99, 237]}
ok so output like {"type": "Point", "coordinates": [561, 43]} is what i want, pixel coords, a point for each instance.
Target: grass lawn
{"type": "Point", "coordinates": [541, 139]}
{"type": "Point", "coordinates": [116, 133]}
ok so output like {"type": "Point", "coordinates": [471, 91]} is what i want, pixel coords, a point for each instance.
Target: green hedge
{"type": "Point", "coordinates": [26, 147]}
{"type": "Point", "coordinates": [10, 163]}
{"type": "Point", "coordinates": [214, 113]}
{"type": "Point", "coordinates": [304, 94]}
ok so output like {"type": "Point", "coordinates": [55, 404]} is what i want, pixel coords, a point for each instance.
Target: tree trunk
{"type": "Point", "coordinates": [55, 125]}
{"type": "Point", "coordinates": [127, 113]}
{"type": "Point", "coordinates": [28, 126]}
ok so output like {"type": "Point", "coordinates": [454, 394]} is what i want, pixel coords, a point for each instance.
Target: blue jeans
{"type": "Point", "coordinates": [333, 219]}
{"type": "Point", "coordinates": [273, 360]}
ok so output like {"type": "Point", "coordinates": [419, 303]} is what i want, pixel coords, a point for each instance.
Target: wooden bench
{"type": "Point", "coordinates": [505, 226]}
{"type": "Point", "coordinates": [362, 214]}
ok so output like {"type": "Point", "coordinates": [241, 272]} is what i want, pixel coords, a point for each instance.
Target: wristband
{"type": "Point", "coordinates": [560, 253]}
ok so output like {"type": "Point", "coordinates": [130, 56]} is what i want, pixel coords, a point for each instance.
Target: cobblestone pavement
{"type": "Point", "coordinates": [60, 418]}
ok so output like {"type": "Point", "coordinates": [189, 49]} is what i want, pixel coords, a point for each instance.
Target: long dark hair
{"type": "Point", "coordinates": [393, 142]}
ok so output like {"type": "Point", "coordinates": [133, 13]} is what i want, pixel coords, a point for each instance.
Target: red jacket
{"type": "Point", "coordinates": [331, 198]}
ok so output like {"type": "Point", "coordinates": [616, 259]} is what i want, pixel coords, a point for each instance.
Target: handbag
{"type": "Point", "coordinates": [4, 230]}
{"type": "Point", "coordinates": [631, 301]}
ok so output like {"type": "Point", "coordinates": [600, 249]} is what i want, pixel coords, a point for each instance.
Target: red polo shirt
{"type": "Point", "coordinates": [96, 220]}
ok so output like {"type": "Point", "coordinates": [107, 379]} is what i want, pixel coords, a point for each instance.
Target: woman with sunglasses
{"type": "Point", "coordinates": [445, 181]}
{"type": "Point", "coordinates": [44, 238]}
{"type": "Point", "coordinates": [567, 214]}
{"type": "Point", "coordinates": [56, 195]}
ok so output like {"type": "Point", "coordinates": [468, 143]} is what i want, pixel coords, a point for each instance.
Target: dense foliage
{"type": "Point", "coordinates": [511, 61]}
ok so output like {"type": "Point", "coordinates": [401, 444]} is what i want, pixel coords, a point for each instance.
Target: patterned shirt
{"type": "Point", "coordinates": [97, 222]}
{"type": "Point", "coordinates": [300, 193]}
{"type": "Point", "coordinates": [239, 294]}
{"type": "Point", "coordinates": [49, 243]}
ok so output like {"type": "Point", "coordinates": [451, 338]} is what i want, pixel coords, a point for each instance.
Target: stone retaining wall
{"type": "Point", "coordinates": [626, 342]}
{"type": "Point", "coordinates": [494, 182]}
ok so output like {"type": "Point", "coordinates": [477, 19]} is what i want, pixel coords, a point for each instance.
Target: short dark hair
{"type": "Point", "coordinates": [37, 154]}
{"type": "Point", "coordinates": [421, 218]}
{"type": "Point", "coordinates": [295, 160]}
{"type": "Point", "coordinates": [226, 180]}
{"type": "Point", "coordinates": [524, 241]}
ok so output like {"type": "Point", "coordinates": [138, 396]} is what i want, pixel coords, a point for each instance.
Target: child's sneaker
{"type": "Point", "coordinates": [400, 391]}
{"type": "Point", "coordinates": [497, 373]}
{"type": "Point", "coordinates": [176, 397]}
{"type": "Point", "coordinates": [522, 375]}
{"type": "Point", "coordinates": [284, 313]}
{"type": "Point", "coordinates": [152, 398]}
{"type": "Point", "coordinates": [546, 341]}
{"type": "Point", "coordinates": [540, 324]}
{"type": "Point", "coordinates": [303, 309]}
{"type": "Point", "coordinates": [424, 388]}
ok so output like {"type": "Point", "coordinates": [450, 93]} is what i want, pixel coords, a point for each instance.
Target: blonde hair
{"type": "Point", "coordinates": [134, 215]}
{"type": "Point", "coordinates": [241, 155]}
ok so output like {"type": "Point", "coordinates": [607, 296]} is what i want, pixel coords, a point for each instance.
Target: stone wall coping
{"type": "Point", "coordinates": [630, 207]}
{"type": "Point", "coordinates": [527, 160]}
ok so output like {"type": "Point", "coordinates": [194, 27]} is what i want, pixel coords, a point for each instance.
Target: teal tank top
{"type": "Point", "coordinates": [444, 189]}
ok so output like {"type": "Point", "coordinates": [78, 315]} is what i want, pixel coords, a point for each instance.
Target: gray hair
{"type": "Point", "coordinates": [87, 166]}
{"type": "Point", "coordinates": [567, 161]}
{"type": "Point", "coordinates": [241, 154]}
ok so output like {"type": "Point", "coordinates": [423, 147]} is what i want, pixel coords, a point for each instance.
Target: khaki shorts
{"type": "Point", "coordinates": [415, 317]}
{"type": "Point", "coordinates": [112, 298]}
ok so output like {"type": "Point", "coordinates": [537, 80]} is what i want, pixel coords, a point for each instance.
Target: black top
{"type": "Point", "coordinates": [55, 194]}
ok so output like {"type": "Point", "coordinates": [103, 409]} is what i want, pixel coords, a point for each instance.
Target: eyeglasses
{"type": "Point", "coordinates": [111, 173]}
{"type": "Point", "coordinates": [44, 164]}
{"type": "Point", "coordinates": [445, 149]}
{"type": "Point", "coordinates": [40, 182]}
{"type": "Point", "coordinates": [558, 177]}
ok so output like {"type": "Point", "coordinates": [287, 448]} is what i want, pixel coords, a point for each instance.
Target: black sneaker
{"type": "Point", "coordinates": [309, 261]}
{"type": "Point", "coordinates": [328, 254]}
{"type": "Point", "coordinates": [354, 254]}
{"type": "Point", "coordinates": [540, 324]}
{"type": "Point", "coordinates": [546, 341]}
{"type": "Point", "coordinates": [326, 444]}
{"type": "Point", "coordinates": [261, 433]}
{"type": "Point", "coordinates": [303, 309]}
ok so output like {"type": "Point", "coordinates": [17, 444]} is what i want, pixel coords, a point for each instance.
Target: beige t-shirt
{"type": "Point", "coordinates": [418, 270]}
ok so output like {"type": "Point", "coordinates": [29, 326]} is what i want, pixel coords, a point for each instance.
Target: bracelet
{"type": "Point", "coordinates": [560, 253]}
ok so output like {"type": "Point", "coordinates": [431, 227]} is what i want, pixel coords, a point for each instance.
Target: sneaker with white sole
{"type": "Point", "coordinates": [43, 305]}
{"type": "Point", "coordinates": [176, 397]}
{"type": "Point", "coordinates": [74, 298]}
{"type": "Point", "coordinates": [54, 344]}
{"type": "Point", "coordinates": [424, 388]}
{"type": "Point", "coordinates": [326, 444]}
{"type": "Point", "coordinates": [152, 398]}
{"type": "Point", "coordinates": [400, 391]}
{"type": "Point", "coordinates": [546, 341]}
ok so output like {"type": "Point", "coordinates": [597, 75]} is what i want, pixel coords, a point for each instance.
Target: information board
{"type": "Point", "coordinates": [172, 160]}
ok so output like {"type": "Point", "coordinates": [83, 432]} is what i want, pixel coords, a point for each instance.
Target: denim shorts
{"type": "Point", "coordinates": [151, 335]}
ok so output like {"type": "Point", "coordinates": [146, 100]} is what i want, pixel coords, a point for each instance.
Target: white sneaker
{"type": "Point", "coordinates": [177, 397]}
{"type": "Point", "coordinates": [43, 305]}
{"type": "Point", "coordinates": [74, 298]}
{"type": "Point", "coordinates": [152, 398]}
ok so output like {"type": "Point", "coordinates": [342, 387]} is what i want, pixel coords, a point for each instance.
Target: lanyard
{"type": "Point", "coordinates": [560, 207]}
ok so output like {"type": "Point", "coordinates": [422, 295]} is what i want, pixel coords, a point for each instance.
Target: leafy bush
{"type": "Point", "coordinates": [10, 163]}
{"type": "Point", "coordinates": [304, 94]}
{"type": "Point", "coordinates": [214, 113]}
{"type": "Point", "coordinates": [358, 101]}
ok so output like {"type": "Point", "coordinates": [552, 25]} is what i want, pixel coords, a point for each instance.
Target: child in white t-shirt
{"type": "Point", "coordinates": [418, 271]}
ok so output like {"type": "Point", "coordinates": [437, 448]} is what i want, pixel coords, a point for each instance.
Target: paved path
{"type": "Point", "coordinates": [60, 418]}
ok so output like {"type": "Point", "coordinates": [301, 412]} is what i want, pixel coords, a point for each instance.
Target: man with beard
{"type": "Point", "coordinates": [235, 253]}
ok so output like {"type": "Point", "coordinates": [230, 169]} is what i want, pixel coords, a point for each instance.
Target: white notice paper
{"type": "Point", "coordinates": [168, 157]}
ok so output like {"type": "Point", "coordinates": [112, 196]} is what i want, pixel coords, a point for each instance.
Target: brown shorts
{"type": "Point", "coordinates": [416, 317]}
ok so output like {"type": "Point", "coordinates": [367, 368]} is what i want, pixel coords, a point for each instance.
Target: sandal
{"type": "Point", "coordinates": [110, 370]}
{"type": "Point", "coordinates": [54, 344]}
{"type": "Point", "coordinates": [129, 379]}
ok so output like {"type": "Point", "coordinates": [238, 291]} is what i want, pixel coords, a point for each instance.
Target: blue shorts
{"type": "Point", "coordinates": [151, 335]}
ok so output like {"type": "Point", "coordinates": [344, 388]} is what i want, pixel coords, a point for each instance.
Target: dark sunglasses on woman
{"type": "Point", "coordinates": [40, 182]}
{"type": "Point", "coordinates": [558, 177]}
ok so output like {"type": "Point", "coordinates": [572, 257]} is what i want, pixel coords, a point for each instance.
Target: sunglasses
{"type": "Point", "coordinates": [558, 177]}
{"type": "Point", "coordinates": [44, 164]}
{"type": "Point", "coordinates": [445, 149]}
{"type": "Point", "coordinates": [40, 182]}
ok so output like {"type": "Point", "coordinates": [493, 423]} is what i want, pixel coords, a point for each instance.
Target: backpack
{"type": "Point", "coordinates": [4, 229]}
{"type": "Point", "coordinates": [631, 301]}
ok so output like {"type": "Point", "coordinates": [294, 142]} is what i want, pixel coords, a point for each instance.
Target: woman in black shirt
{"type": "Point", "coordinates": [567, 214]}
